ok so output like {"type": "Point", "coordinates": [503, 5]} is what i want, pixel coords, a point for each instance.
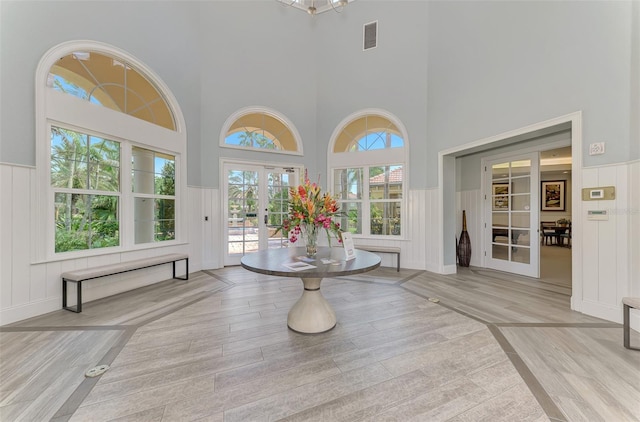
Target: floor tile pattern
{"type": "Point", "coordinates": [216, 348]}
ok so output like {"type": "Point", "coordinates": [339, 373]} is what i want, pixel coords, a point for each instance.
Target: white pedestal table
{"type": "Point", "coordinates": [311, 313]}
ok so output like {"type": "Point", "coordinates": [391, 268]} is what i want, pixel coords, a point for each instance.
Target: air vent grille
{"type": "Point", "coordinates": [370, 35]}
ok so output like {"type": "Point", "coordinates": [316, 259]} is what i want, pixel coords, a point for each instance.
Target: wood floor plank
{"type": "Point", "coordinates": [219, 349]}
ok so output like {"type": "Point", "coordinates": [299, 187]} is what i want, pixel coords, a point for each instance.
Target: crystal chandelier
{"type": "Point", "coordinates": [313, 7]}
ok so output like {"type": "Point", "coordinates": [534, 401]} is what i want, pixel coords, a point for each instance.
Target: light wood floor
{"type": "Point", "coordinates": [555, 265]}
{"type": "Point", "coordinates": [479, 345]}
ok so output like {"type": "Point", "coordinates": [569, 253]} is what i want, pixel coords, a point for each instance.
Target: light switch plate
{"type": "Point", "coordinates": [596, 148]}
{"type": "Point", "coordinates": [597, 215]}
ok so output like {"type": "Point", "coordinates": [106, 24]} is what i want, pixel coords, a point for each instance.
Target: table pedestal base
{"type": "Point", "coordinates": [311, 313]}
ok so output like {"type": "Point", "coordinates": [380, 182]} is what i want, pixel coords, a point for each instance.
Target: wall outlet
{"type": "Point", "coordinates": [596, 148]}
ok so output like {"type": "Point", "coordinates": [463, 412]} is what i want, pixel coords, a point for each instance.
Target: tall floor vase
{"type": "Point", "coordinates": [464, 244]}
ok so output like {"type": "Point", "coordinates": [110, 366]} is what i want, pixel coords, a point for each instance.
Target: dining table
{"type": "Point", "coordinates": [312, 313]}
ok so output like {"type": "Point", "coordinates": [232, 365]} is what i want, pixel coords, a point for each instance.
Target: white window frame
{"type": "Point", "coordinates": [269, 112]}
{"type": "Point", "coordinates": [373, 158]}
{"type": "Point", "coordinates": [66, 111]}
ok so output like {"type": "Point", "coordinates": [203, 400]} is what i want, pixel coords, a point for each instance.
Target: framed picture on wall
{"type": "Point", "coordinates": [500, 196]}
{"type": "Point", "coordinates": [552, 195]}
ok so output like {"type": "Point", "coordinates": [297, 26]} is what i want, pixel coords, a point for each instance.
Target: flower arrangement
{"type": "Point", "coordinates": [310, 210]}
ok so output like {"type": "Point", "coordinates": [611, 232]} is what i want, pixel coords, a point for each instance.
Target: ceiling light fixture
{"type": "Point", "coordinates": [314, 7]}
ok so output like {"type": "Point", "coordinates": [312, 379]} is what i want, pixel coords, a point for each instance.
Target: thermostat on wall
{"type": "Point", "coordinates": [597, 215]}
{"type": "Point", "coordinates": [600, 193]}
{"type": "Point", "coordinates": [596, 194]}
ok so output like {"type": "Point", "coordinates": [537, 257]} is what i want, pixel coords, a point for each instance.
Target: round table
{"type": "Point", "coordinates": [311, 313]}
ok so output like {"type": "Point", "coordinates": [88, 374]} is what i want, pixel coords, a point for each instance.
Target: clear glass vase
{"type": "Point", "coordinates": [310, 235]}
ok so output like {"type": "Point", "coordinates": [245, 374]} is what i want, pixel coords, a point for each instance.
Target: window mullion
{"type": "Point", "coordinates": [366, 203]}
{"type": "Point", "coordinates": [126, 203]}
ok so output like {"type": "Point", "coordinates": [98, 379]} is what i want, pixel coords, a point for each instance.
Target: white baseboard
{"type": "Point", "coordinates": [30, 310]}
{"type": "Point", "coordinates": [599, 310]}
{"type": "Point", "coordinates": [211, 265]}
{"type": "Point", "coordinates": [450, 269]}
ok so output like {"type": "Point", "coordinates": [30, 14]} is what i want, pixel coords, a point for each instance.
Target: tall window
{"type": "Point", "coordinates": [153, 176]}
{"type": "Point", "coordinates": [110, 181]}
{"type": "Point", "coordinates": [368, 166]}
{"type": "Point", "coordinates": [260, 129]}
{"type": "Point", "coordinates": [85, 180]}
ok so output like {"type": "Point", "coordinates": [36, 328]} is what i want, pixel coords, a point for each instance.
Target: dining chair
{"type": "Point", "coordinates": [565, 235]}
{"type": "Point", "coordinates": [547, 232]}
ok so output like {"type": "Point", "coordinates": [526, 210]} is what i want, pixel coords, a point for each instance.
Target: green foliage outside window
{"type": "Point", "coordinates": [86, 222]}
{"type": "Point", "coordinates": [81, 164]}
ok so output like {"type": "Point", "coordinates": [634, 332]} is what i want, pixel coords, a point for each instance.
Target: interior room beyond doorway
{"type": "Point", "coordinates": [554, 141]}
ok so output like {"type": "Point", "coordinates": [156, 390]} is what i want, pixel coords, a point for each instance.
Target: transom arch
{"type": "Point", "coordinates": [261, 128]}
{"type": "Point", "coordinates": [349, 133]}
{"type": "Point", "coordinates": [113, 78]}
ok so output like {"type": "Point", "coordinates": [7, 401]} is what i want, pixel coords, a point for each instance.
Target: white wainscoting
{"type": "Point", "coordinates": [634, 231]}
{"type": "Point", "coordinates": [211, 231]}
{"type": "Point", "coordinates": [610, 268]}
{"type": "Point", "coordinates": [29, 289]}
{"type": "Point", "coordinates": [419, 249]}
{"type": "Point", "coordinates": [610, 248]}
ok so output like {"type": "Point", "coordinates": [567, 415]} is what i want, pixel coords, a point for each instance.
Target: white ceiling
{"type": "Point", "coordinates": [320, 5]}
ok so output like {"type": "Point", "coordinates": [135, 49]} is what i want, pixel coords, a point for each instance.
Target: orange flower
{"type": "Point", "coordinates": [311, 210]}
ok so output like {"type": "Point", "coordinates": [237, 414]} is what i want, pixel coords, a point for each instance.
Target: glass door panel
{"type": "Point", "coordinates": [256, 202]}
{"type": "Point", "coordinates": [243, 195]}
{"type": "Point", "coordinates": [511, 216]}
{"type": "Point", "coordinates": [277, 209]}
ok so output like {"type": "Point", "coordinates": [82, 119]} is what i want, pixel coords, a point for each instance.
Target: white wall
{"type": "Point", "coordinates": [450, 74]}
{"type": "Point", "coordinates": [634, 229]}
{"type": "Point", "coordinates": [610, 248]}
{"type": "Point", "coordinates": [494, 66]}
{"type": "Point", "coordinates": [29, 289]}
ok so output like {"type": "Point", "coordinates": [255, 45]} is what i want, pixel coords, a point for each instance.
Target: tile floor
{"type": "Point", "coordinates": [216, 348]}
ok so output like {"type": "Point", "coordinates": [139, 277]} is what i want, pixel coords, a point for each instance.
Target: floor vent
{"type": "Point", "coordinates": [370, 35]}
{"type": "Point", "coordinates": [96, 371]}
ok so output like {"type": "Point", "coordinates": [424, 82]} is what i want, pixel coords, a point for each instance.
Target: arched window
{"type": "Point", "coordinates": [111, 154]}
{"type": "Point", "coordinates": [111, 82]}
{"type": "Point", "coordinates": [368, 133]}
{"type": "Point", "coordinates": [260, 129]}
{"type": "Point", "coordinates": [368, 169]}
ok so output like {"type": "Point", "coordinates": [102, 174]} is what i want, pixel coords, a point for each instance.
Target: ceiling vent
{"type": "Point", "coordinates": [370, 35]}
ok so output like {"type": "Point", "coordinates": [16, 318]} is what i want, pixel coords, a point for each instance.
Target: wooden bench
{"type": "Point", "coordinates": [382, 249]}
{"type": "Point", "coordinates": [78, 276]}
{"type": "Point", "coordinates": [629, 302]}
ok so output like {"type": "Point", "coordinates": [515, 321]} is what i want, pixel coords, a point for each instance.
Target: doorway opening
{"type": "Point", "coordinates": [255, 203]}
{"type": "Point", "coordinates": [550, 135]}
{"type": "Point", "coordinates": [555, 216]}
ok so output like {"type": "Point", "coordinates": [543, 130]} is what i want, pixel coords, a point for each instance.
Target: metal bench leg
{"type": "Point", "coordinates": [78, 307]}
{"type": "Point", "coordinates": [64, 294]}
{"type": "Point", "coordinates": [627, 328]}
{"type": "Point", "coordinates": [398, 269]}
{"type": "Point", "coordinates": [79, 304]}
{"type": "Point", "coordinates": [186, 277]}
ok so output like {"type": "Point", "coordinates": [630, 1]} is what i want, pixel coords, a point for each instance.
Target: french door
{"type": "Point", "coordinates": [511, 214]}
{"type": "Point", "coordinates": [255, 203]}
